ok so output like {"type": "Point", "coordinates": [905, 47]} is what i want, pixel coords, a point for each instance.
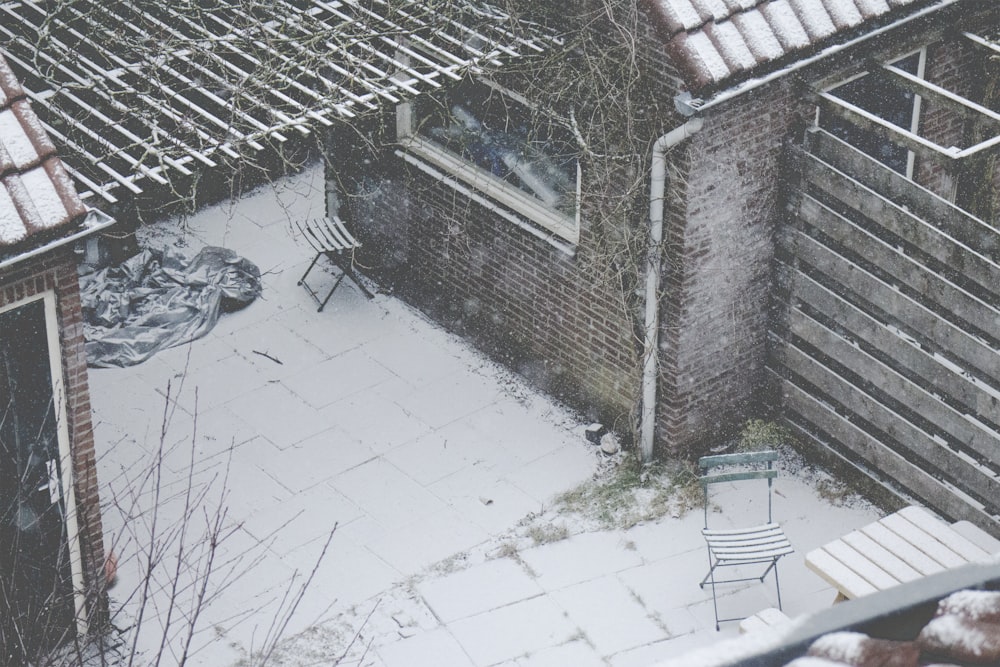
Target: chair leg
{"type": "Point", "coordinates": [777, 585]}
{"type": "Point", "coordinates": [710, 578]}
{"type": "Point", "coordinates": [332, 290]}
{"type": "Point", "coordinates": [345, 268]}
{"type": "Point", "coordinates": [315, 259]}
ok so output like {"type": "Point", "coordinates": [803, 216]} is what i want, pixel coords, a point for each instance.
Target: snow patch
{"type": "Point", "coordinates": [710, 63]}
{"type": "Point", "coordinates": [785, 25]}
{"type": "Point", "coordinates": [51, 210]}
{"type": "Point", "coordinates": [11, 226]}
{"type": "Point", "coordinates": [16, 141]}
{"type": "Point", "coordinates": [711, 10]}
{"type": "Point", "coordinates": [814, 18]}
{"type": "Point", "coordinates": [758, 36]}
{"type": "Point", "coordinates": [729, 41]}
{"type": "Point", "coordinates": [844, 14]}
{"type": "Point", "coordinates": [871, 8]}
{"type": "Point", "coordinates": [681, 14]}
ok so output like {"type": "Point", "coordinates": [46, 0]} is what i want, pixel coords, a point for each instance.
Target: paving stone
{"type": "Point", "coordinates": [515, 630]}
{"type": "Point", "coordinates": [579, 558]}
{"type": "Point", "coordinates": [609, 615]}
{"type": "Point", "coordinates": [478, 589]}
{"type": "Point", "coordinates": [576, 653]}
{"type": "Point", "coordinates": [422, 542]}
{"type": "Point", "coordinates": [430, 649]}
{"type": "Point", "coordinates": [387, 493]}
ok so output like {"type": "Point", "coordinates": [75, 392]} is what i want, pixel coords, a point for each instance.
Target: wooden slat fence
{"type": "Point", "coordinates": [887, 348]}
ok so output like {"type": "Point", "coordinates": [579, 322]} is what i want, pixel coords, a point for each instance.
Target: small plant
{"type": "Point", "coordinates": [631, 493]}
{"type": "Point", "coordinates": [759, 434]}
{"type": "Point", "coordinates": [835, 492]}
{"type": "Point", "coordinates": [548, 533]}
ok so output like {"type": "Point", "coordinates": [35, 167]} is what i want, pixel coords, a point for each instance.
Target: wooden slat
{"type": "Point", "coordinates": [880, 556]}
{"type": "Point", "coordinates": [930, 286]}
{"type": "Point", "coordinates": [944, 533]}
{"type": "Point", "coordinates": [808, 409]}
{"type": "Point", "coordinates": [855, 115]}
{"type": "Point", "coordinates": [913, 231]}
{"type": "Point", "coordinates": [838, 575]}
{"type": "Point", "coordinates": [290, 64]}
{"type": "Point", "coordinates": [930, 91]}
{"type": "Point", "coordinates": [910, 358]}
{"type": "Point", "coordinates": [943, 334]}
{"type": "Point", "coordinates": [966, 474]}
{"type": "Point", "coordinates": [861, 565]}
{"type": "Point", "coordinates": [913, 555]}
{"type": "Point", "coordinates": [927, 543]}
{"type": "Point", "coordinates": [941, 214]}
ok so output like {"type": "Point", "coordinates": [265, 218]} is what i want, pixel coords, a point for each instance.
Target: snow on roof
{"type": "Point", "coordinates": [714, 41]}
{"type": "Point", "coordinates": [36, 193]}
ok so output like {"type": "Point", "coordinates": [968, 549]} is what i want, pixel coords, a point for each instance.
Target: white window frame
{"type": "Point", "coordinates": [65, 454]}
{"type": "Point", "coordinates": [513, 198]}
{"type": "Point", "coordinates": [921, 54]}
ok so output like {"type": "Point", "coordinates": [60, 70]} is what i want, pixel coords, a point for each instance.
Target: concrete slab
{"type": "Point", "coordinates": [430, 649]}
{"type": "Point", "coordinates": [579, 558]}
{"type": "Point", "coordinates": [478, 589]}
{"type": "Point", "coordinates": [610, 616]}
{"type": "Point", "coordinates": [516, 630]}
{"type": "Point", "coordinates": [577, 653]}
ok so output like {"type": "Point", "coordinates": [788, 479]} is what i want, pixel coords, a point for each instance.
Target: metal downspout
{"type": "Point", "coordinates": [651, 357]}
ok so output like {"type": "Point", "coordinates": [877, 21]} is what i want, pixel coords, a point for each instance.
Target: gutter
{"type": "Point", "coordinates": [94, 222]}
{"type": "Point", "coordinates": [651, 357]}
{"type": "Point", "coordinates": [691, 106]}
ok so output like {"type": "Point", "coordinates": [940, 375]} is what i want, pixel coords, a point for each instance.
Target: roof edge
{"type": "Point", "coordinates": [694, 105]}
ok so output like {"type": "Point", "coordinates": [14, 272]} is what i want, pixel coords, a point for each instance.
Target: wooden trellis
{"type": "Point", "coordinates": [147, 89]}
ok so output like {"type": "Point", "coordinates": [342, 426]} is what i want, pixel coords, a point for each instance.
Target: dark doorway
{"type": "Point", "coordinates": [36, 593]}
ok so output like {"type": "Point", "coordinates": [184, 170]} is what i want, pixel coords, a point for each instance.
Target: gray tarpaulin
{"type": "Point", "coordinates": [161, 298]}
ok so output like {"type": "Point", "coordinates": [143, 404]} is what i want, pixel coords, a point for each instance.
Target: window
{"type": "Point", "coordinates": [495, 142]}
{"type": "Point", "coordinates": [896, 105]}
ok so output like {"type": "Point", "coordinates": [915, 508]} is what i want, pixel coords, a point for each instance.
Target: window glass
{"type": "Point", "coordinates": [506, 139]}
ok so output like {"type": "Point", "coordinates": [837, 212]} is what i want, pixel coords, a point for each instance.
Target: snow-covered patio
{"type": "Point", "coordinates": [424, 455]}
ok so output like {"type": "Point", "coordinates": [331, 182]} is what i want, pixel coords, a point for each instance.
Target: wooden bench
{"type": "Point", "coordinates": [899, 548]}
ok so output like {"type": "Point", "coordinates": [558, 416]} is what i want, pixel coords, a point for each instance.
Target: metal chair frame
{"type": "Point", "coordinates": [761, 544]}
{"type": "Point", "coordinates": [329, 237]}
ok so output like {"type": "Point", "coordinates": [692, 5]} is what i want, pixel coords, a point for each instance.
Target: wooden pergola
{"type": "Point", "coordinates": [981, 123]}
{"type": "Point", "coordinates": [146, 89]}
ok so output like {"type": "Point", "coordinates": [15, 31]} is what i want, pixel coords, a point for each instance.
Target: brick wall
{"type": "Point", "coordinates": [949, 65]}
{"type": "Point", "coordinates": [56, 272]}
{"type": "Point", "coordinates": [717, 273]}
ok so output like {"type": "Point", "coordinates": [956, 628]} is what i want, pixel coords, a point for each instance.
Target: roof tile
{"type": "Point", "coordinates": [711, 10]}
{"type": "Point", "coordinates": [766, 30]}
{"type": "Point", "coordinates": [679, 15]}
{"type": "Point", "coordinates": [814, 18]}
{"type": "Point", "coordinates": [36, 192]}
{"type": "Point", "coordinates": [786, 26]}
{"type": "Point", "coordinates": [759, 37]}
{"type": "Point", "coordinates": [871, 8]}
{"type": "Point", "coordinates": [844, 14]}
{"type": "Point", "coordinates": [729, 43]}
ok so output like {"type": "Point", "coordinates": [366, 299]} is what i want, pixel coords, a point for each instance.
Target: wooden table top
{"type": "Point", "coordinates": [901, 547]}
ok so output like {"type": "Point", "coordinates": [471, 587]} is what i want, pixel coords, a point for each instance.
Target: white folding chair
{"type": "Point", "coordinates": [762, 544]}
{"type": "Point", "coordinates": [329, 237]}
